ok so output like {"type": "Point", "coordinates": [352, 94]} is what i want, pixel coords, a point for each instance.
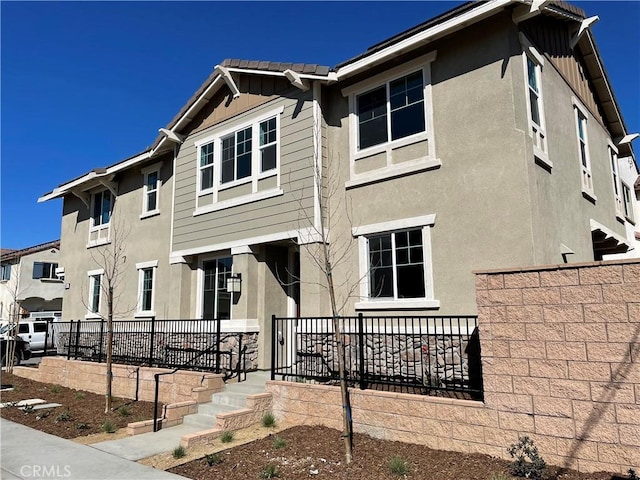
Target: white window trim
{"type": "Point", "coordinates": [155, 168]}
{"type": "Point", "coordinates": [628, 216]}
{"type": "Point", "coordinates": [391, 170]}
{"type": "Point", "coordinates": [141, 267]}
{"type": "Point", "coordinates": [94, 315]}
{"type": "Point", "coordinates": [102, 227]}
{"type": "Point", "coordinates": [256, 174]}
{"type": "Point", "coordinates": [586, 176]}
{"type": "Point", "coordinates": [612, 150]}
{"type": "Point", "coordinates": [538, 133]}
{"type": "Point", "coordinates": [426, 222]}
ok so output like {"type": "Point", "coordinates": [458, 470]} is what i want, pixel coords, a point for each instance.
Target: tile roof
{"type": "Point", "coordinates": [16, 254]}
{"type": "Point", "coordinates": [308, 68]}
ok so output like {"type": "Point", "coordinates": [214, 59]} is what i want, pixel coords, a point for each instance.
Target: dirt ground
{"type": "Point", "coordinates": [317, 452]}
{"type": "Point", "coordinates": [81, 414]}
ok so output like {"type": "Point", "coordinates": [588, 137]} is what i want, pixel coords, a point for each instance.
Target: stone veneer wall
{"type": "Point", "coordinates": [561, 364]}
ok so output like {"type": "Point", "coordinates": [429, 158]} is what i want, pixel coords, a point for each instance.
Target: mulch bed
{"type": "Point", "coordinates": [318, 452]}
{"type": "Point", "coordinates": [81, 413]}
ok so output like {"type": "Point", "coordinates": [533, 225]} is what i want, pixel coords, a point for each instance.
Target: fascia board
{"type": "Point", "coordinates": [446, 27]}
{"type": "Point", "coordinates": [331, 77]}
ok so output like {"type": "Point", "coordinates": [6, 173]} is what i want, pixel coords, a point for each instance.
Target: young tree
{"type": "Point", "coordinates": [13, 287]}
{"type": "Point", "coordinates": [111, 258]}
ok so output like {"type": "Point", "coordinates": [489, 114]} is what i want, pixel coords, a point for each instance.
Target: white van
{"type": "Point", "coordinates": [35, 329]}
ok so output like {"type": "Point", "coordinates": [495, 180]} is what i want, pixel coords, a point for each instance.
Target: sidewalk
{"type": "Point", "coordinates": [30, 454]}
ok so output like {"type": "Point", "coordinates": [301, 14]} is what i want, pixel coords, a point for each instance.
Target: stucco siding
{"type": "Point", "coordinates": [285, 211]}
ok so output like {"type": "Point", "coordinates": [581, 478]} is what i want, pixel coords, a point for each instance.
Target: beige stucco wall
{"type": "Point", "coordinates": [144, 240]}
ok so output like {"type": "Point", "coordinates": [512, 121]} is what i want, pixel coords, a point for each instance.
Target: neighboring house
{"type": "Point", "coordinates": [626, 182]}
{"type": "Point", "coordinates": [29, 281]}
{"type": "Point", "coordinates": [479, 139]}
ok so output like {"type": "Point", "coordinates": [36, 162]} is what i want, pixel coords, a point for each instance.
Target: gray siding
{"type": "Point", "coordinates": [272, 215]}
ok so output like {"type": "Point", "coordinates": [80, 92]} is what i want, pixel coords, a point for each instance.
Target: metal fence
{"type": "Point", "coordinates": [186, 344]}
{"type": "Point", "coordinates": [425, 355]}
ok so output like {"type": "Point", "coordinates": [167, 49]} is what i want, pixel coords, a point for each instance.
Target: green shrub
{"type": "Point", "coordinates": [55, 389]}
{"type": "Point", "coordinates": [108, 426]}
{"type": "Point", "coordinates": [81, 426]}
{"type": "Point", "coordinates": [80, 395]}
{"type": "Point", "coordinates": [179, 452]}
{"type": "Point", "coordinates": [28, 409]}
{"type": "Point", "coordinates": [527, 462]}
{"type": "Point", "coordinates": [268, 420]}
{"type": "Point", "coordinates": [398, 466]}
{"type": "Point", "coordinates": [124, 411]}
{"type": "Point", "coordinates": [64, 417]}
{"type": "Point", "coordinates": [269, 471]}
{"type": "Point", "coordinates": [227, 436]}
{"type": "Point", "coordinates": [213, 459]}
{"type": "Point", "coordinates": [43, 414]}
{"type": "Point", "coordinates": [279, 442]}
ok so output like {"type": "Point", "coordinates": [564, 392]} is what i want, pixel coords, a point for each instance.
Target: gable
{"type": "Point", "coordinates": [552, 37]}
{"type": "Point", "coordinates": [254, 90]}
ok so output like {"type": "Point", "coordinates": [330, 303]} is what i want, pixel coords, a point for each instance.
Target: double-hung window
{"type": "Point", "coordinates": [101, 208]}
{"type": "Point", "coordinates": [236, 156]}
{"type": "Point", "coordinates": [151, 190]}
{"type": "Point", "coordinates": [395, 264]}
{"type": "Point", "coordinates": [533, 63]}
{"type": "Point", "coordinates": [627, 202]}
{"type": "Point", "coordinates": [95, 293]}
{"type": "Point", "coordinates": [613, 159]}
{"type": "Point", "coordinates": [239, 162]}
{"type": "Point", "coordinates": [44, 270]}
{"type": "Point", "coordinates": [392, 111]}
{"type": "Point", "coordinates": [583, 150]}
{"type": "Point", "coordinates": [5, 272]}
{"type": "Point", "coordinates": [146, 288]}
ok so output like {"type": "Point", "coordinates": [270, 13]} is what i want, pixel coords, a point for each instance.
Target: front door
{"type": "Point", "coordinates": [216, 300]}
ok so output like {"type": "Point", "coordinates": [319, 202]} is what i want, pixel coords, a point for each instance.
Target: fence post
{"type": "Point", "coordinates": [152, 340]}
{"type": "Point", "coordinates": [219, 322]}
{"type": "Point", "coordinates": [273, 346]}
{"type": "Point", "coordinates": [77, 339]}
{"type": "Point", "coordinates": [69, 342]}
{"type": "Point", "coordinates": [363, 383]}
{"type": "Point", "coordinates": [101, 340]}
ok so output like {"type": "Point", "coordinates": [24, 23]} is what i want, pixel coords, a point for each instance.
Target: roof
{"type": "Point", "coordinates": [8, 255]}
{"type": "Point", "coordinates": [448, 22]}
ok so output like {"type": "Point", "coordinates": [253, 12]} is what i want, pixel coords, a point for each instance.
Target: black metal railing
{"type": "Point", "coordinates": [425, 355]}
{"type": "Point", "coordinates": [182, 344]}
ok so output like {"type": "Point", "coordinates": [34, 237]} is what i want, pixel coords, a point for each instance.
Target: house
{"type": "Point", "coordinates": [30, 280]}
{"type": "Point", "coordinates": [481, 138]}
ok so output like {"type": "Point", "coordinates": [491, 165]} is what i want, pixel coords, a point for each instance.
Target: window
{"type": "Point", "coordinates": [613, 158]}
{"type": "Point", "coordinates": [583, 150]}
{"type": "Point", "coordinates": [536, 116]}
{"type": "Point", "coordinates": [151, 190]}
{"type": "Point", "coordinates": [146, 290]}
{"type": "Point", "coordinates": [395, 264]}
{"type": "Point", "coordinates": [236, 156]}
{"type": "Point", "coordinates": [42, 270]}
{"type": "Point", "coordinates": [5, 272]}
{"type": "Point", "coordinates": [627, 202]}
{"type": "Point", "coordinates": [216, 299]}
{"type": "Point", "coordinates": [101, 208]}
{"type": "Point", "coordinates": [244, 154]}
{"type": "Point", "coordinates": [95, 292]}
{"type": "Point", "coordinates": [392, 111]}
{"type": "Point", "coordinates": [206, 166]}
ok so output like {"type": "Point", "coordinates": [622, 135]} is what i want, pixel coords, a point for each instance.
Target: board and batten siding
{"type": "Point", "coordinates": [289, 211]}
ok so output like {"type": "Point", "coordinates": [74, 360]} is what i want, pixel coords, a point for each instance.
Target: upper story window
{"type": "Point", "coordinates": [395, 264]}
{"type": "Point", "coordinates": [43, 270]}
{"type": "Point", "coordinates": [101, 208]}
{"type": "Point", "coordinates": [583, 150]}
{"type": "Point", "coordinates": [151, 190]}
{"type": "Point", "coordinates": [5, 272]}
{"type": "Point", "coordinates": [390, 111]}
{"type": "Point", "coordinates": [627, 202]}
{"type": "Point", "coordinates": [533, 63]}
{"type": "Point", "coordinates": [245, 154]}
{"type": "Point", "coordinates": [613, 159]}
{"type": "Point", "coordinates": [146, 287]}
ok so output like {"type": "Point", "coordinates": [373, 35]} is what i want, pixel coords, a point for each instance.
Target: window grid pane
{"type": "Point", "coordinates": [147, 289]}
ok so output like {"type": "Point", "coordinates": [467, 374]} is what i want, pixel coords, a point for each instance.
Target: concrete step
{"type": "Point", "coordinates": [204, 422]}
{"type": "Point", "coordinates": [237, 399]}
{"type": "Point", "coordinates": [243, 387]}
{"type": "Point", "coordinates": [212, 409]}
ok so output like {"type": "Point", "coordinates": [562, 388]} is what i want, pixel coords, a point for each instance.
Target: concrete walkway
{"type": "Point", "coordinates": [27, 454]}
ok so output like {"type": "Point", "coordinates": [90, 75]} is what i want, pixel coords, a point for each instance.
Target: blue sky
{"type": "Point", "coordinates": [86, 84]}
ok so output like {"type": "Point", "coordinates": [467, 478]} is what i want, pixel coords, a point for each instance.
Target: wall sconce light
{"type": "Point", "coordinates": [234, 283]}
